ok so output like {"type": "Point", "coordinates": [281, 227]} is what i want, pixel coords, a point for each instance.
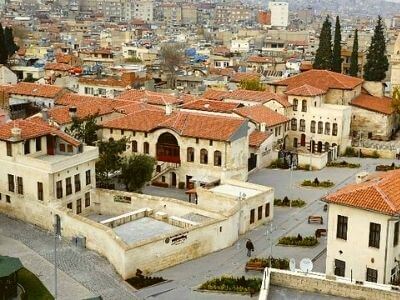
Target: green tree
{"type": "Point", "coordinates": [377, 62]}
{"type": "Point", "coordinates": [3, 47]}
{"type": "Point", "coordinates": [353, 71]}
{"type": "Point", "coordinates": [9, 41]}
{"type": "Point", "coordinates": [337, 49]}
{"type": "Point", "coordinates": [136, 171]}
{"type": "Point", "coordinates": [323, 57]}
{"type": "Point", "coordinates": [396, 99]}
{"type": "Point", "coordinates": [84, 129]}
{"type": "Point", "coordinates": [29, 78]}
{"type": "Point", "coordinates": [110, 160]}
{"type": "Point", "coordinates": [252, 85]}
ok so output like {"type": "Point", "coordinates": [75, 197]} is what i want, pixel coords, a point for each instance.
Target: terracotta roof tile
{"type": "Point", "coordinates": [381, 105]}
{"type": "Point", "coordinates": [380, 193]}
{"type": "Point", "coordinates": [259, 59]}
{"type": "Point", "coordinates": [36, 90]}
{"type": "Point", "coordinates": [149, 97]}
{"type": "Point", "coordinates": [305, 90]}
{"type": "Point", "coordinates": [214, 94]}
{"type": "Point", "coordinates": [223, 72]}
{"type": "Point", "coordinates": [210, 105]}
{"type": "Point", "coordinates": [239, 77]}
{"type": "Point", "coordinates": [257, 96]}
{"type": "Point", "coordinates": [57, 67]}
{"type": "Point", "coordinates": [261, 114]}
{"type": "Point", "coordinates": [321, 79]}
{"type": "Point", "coordinates": [257, 137]}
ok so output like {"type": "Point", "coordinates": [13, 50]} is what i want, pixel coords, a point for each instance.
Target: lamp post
{"type": "Point", "coordinates": [57, 235]}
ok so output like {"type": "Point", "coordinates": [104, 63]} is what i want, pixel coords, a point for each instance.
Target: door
{"type": "Point", "coordinates": [340, 267]}
{"type": "Point", "coordinates": [50, 145]}
{"type": "Point", "coordinates": [252, 162]}
{"type": "Point", "coordinates": [173, 179]}
{"type": "Point", "coordinates": [303, 140]}
{"type": "Point", "coordinates": [189, 185]}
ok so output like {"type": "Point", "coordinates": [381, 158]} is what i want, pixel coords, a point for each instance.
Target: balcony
{"type": "Point", "coordinates": [168, 153]}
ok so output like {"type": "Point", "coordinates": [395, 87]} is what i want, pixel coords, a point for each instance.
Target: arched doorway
{"type": "Point", "coordinates": [319, 147]}
{"type": "Point", "coordinates": [303, 140]}
{"type": "Point", "coordinates": [173, 179]}
{"type": "Point", "coordinates": [168, 148]}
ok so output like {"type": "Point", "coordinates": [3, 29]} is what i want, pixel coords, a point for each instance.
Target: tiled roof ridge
{"type": "Point", "coordinates": [383, 195]}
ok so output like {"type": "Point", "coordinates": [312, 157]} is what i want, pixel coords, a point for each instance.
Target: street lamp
{"type": "Point", "coordinates": [57, 235]}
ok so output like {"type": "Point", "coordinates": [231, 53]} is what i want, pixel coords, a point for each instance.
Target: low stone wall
{"type": "Point", "coordinates": [317, 161]}
{"type": "Point", "coordinates": [318, 283]}
{"type": "Point", "coordinates": [383, 153]}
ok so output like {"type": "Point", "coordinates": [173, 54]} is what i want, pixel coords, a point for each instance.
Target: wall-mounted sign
{"type": "Point", "coordinates": [178, 239]}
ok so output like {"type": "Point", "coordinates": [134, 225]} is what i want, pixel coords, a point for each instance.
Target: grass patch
{"type": "Point", "coordinates": [286, 202]}
{"type": "Point", "coordinates": [233, 284]}
{"type": "Point", "coordinates": [308, 241]}
{"type": "Point", "coordinates": [342, 164]}
{"type": "Point", "coordinates": [277, 263]}
{"type": "Point", "coordinates": [317, 183]}
{"type": "Point", "coordinates": [34, 288]}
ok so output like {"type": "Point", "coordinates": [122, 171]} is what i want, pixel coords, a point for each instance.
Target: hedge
{"type": "Point", "coordinates": [233, 284]}
{"type": "Point", "coordinates": [308, 241]}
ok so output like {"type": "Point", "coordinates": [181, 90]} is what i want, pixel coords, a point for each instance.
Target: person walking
{"type": "Point", "coordinates": [249, 247]}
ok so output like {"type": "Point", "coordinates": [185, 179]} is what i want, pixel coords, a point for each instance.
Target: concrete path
{"type": "Point", "coordinates": [68, 288]}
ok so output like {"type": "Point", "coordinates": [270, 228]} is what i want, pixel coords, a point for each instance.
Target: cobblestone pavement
{"type": "Point", "coordinates": [87, 267]}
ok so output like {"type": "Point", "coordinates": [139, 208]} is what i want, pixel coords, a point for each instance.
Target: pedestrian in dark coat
{"type": "Point", "coordinates": [249, 247]}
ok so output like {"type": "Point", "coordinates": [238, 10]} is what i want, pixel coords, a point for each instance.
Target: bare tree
{"type": "Point", "coordinates": [172, 56]}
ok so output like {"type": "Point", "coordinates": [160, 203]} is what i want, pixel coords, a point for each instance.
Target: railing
{"type": "Point", "coordinates": [168, 153]}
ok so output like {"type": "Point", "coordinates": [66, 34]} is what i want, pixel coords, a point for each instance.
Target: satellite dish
{"type": "Point", "coordinates": [306, 265]}
{"type": "Point", "coordinates": [292, 265]}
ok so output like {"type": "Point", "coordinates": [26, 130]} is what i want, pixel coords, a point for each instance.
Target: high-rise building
{"type": "Point", "coordinates": [279, 13]}
{"type": "Point", "coordinates": [140, 9]}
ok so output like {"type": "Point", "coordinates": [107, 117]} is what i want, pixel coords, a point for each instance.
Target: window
{"type": "Point", "coordinates": [211, 142]}
{"type": "Point", "coordinates": [334, 129]}
{"type": "Point", "coordinates": [190, 154]}
{"type": "Point", "coordinates": [20, 186]}
{"type": "Point", "coordinates": [396, 233]}
{"type": "Point", "coordinates": [252, 215]}
{"type": "Point", "coordinates": [295, 142]}
{"type": "Point", "coordinates": [340, 267]}
{"type": "Point", "coordinates": [295, 104]}
{"type": "Point", "coordinates": [374, 235]}
{"type": "Point", "coordinates": [293, 124]}
{"type": "Point", "coordinates": [203, 156]}
{"type": "Point", "coordinates": [341, 231]}
{"type": "Point", "coordinates": [304, 106]}
{"type": "Point", "coordinates": [68, 186]}
{"type": "Point", "coordinates": [327, 128]}
{"type": "Point", "coordinates": [8, 199]}
{"type": "Point", "coordinates": [217, 158]}
{"type": "Point", "coordinates": [267, 210]}
{"type": "Point", "coordinates": [134, 146]}
{"type": "Point", "coordinates": [62, 147]}
{"type": "Point", "coordinates": [77, 182]}
{"type": "Point", "coordinates": [70, 149]}
{"type": "Point", "coordinates": [372, 275]}
{"type": "Point", "coordinates": [59, 189]}
{"type": "Point", "coordinates": [87, 199]}
{"type": "Point", "coordinates": [302, 125]}
{"type": "Point", "coordinates": [69, 205]}
{"type": "Point", "coordinates": [146, 147]}
{"type": "Point", "coordinates": [78, 206]}
{"type": "Point", "coordinates": [40, 191]}
{"type": "Point", "coordinates": [259, 216]}
{"type": "Point", "coordinates": [11, 184]}
{"type": "Point", "coordinates": [320, 127]}
{"type": "Point", "coordinates": [88, 177]}
{"type": "Point", "coordinates": [27, 148]}
{"type": "Point", "coordinates": [38, 144]}
{"type": "Point", "coordinates": [312, 127]}
{"type": "Point", "coordinates": [9, 148]}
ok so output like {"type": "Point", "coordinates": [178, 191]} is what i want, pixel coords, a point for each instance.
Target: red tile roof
{"type": "Point", "coordinates": [149, 97]}
{"type": "Point", "coordinates": [305, 90]}
{"type": "Point", "coordinates": [381, 105]}
{"type": "Point", "coordinates": [214, 94]}
{"type": "Point", "coordinates": [257, 137]}
{"type": "Point", "coordinates": [261, 114]}
{"type": "Point", "coordinates": [33, 128]}
{"type": "Point", "coordinates": [57, 67]}
{"type": "Point", "coordinates": [36, 90]}
{"type": "Point", "coordinates": [71, 99]}
{"type": "Point", "coordinates": [257, 96]}
{"type": "Point", "coordinates": [222, 72]}
{"type": "Point", "coordinates": [185, 124]}
{"type": "Point", "coordinates": [239, 77]}
{"type": "Point", "coordinates": [320, 79]}
{"type": "Point", "coordinates": [210, 105]}
{"type": "Point", "coordinates": [259, 59]}
{"type": "Point", "coordinates": [380, 193]}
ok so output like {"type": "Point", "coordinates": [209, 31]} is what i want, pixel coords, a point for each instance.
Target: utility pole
{"type": "Point", "coordinates": [57, 235]}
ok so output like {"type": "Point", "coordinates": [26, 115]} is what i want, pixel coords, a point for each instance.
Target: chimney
{"type": "Point", "coordinates": [45, 114]}
{"type": "Point", "coordinates": [72, 111]}
{"type": "Point", "coordinates": [361, 176]}
{"type": "Point", "coordinates": [16, 133]}
{"type": "Point", "coordinates": [263, 126]}
{"type": "Point", "coordinates": [168, 109]}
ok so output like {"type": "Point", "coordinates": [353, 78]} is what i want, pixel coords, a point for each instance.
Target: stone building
{"type": "Point", "coordinates": [395, 65]}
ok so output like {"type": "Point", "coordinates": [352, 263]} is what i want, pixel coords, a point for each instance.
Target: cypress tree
{"type": "Point", "coordinates": [3, 47]}
{"type": "Point", "coordinates": [377, 62]}
{"type": "Point", "coordinates": [337, 48]}
{"type": "Point", "coordinates": [9, 41]}
{"type": "Point", "coordinates": [323, 57]}
{"type": "Point", "coordinates": [353, 71]}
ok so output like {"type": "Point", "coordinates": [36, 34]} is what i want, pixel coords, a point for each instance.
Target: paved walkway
{"type": "Point", "coordinates": [94, 273]}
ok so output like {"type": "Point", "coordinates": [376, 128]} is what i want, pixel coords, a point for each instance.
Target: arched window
{"type": "Point", "coordinates": [217, 158]}
{"type": "Point", "coordinates": [293, 124]}
{"type": "Point", "coordinates": [190, 154]}
{"type": "Point", "coordinates": [203, 156]}
{"type": "Point", "coordinates": [295, 104]}
{"type": "Point", "coordinates": [312, 127]}
{"type": "Point", "coordinates": [302, 125]}
{"type": "Point", "coordinates": [327, 128]}
{"type": "Point", "coordinates": [334, 129]}
{"type": "Point", "coordinates": [146, 148]}
{"type": "Point", "coordinates": [134, 146]}
{"type": "Point", "coordinates": [327, 147]}
{"type": "Point", "coordinates": [320, 127]}
{"type": "Point", "coordinates": [304, 106]}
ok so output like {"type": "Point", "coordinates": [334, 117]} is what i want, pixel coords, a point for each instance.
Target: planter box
{"type": "Point", "coordinates": [257, 266]}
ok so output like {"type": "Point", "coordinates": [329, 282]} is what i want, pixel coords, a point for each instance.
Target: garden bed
{"type": "Point", "coordinates": [385, 168]}
{"type": "Point", "coordinates": [317, 183]}
{"type": "Point", "coordinates": [342, 164]}
{"type": "Point", "coordinates": [287, 202]}
{"type": "Point", "coordinates": [259, 264]}
{"type": "Point", "coordinates": [308, 241]}
{"type": "Point", "coordinates": [140, 282]}
{"type": "Point", "coordinates": [232, 284]}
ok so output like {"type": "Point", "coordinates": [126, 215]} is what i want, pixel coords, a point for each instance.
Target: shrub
{"type": "Point", "coordinates": [342, 164]}
{"type": "Point", "coordinates": [284, 202]}
{"type": "Point", "coordinates": [308, 241]}
{"type": "Point", "coordinates": [279, 164]}
{"type": "Point", "coordinates": [385, 168]}
{"type": "Point", "coordinates": [317, 183]}
{"type": "Point", "coordinates": [233, 284]}
{"type": "Point", "coordinates": [181, 185]}
{"type": "Point", "coordinates": [350, 152]}
{"type": "Point", "coordinates": [305, 167]}
{"type": "Point", "coordinates": [277, 263]}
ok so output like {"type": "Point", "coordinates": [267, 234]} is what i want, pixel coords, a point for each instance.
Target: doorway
{"type": "Point", "coordinates": [303, 140]}
{"type": "Point", "coordinates": [173, 179]}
